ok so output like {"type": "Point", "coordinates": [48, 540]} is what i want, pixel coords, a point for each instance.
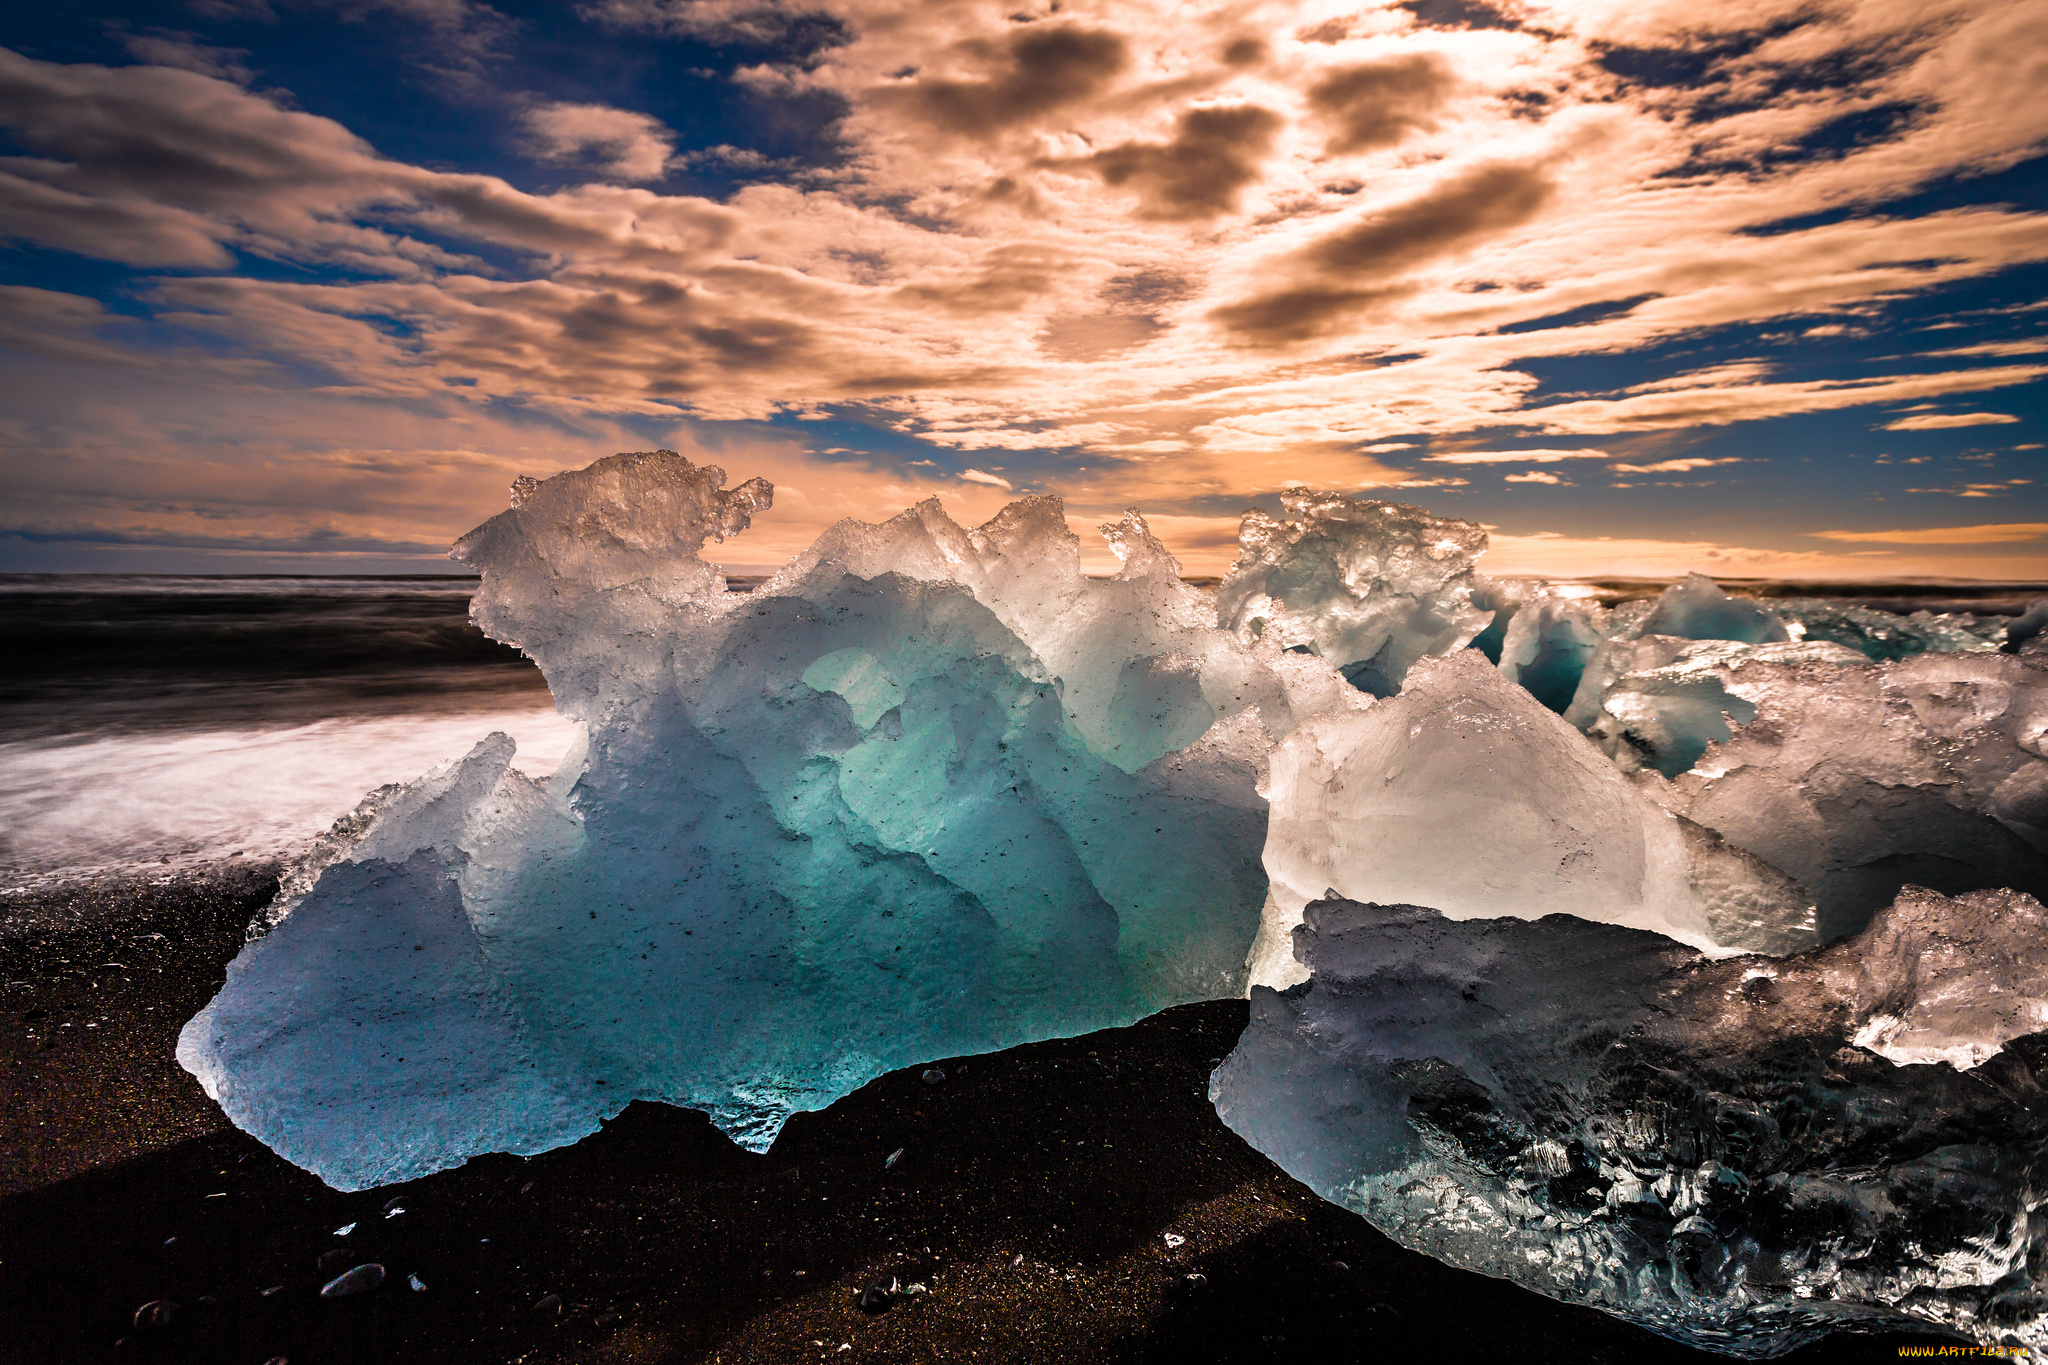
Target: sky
{"type": "Point", "coordinates": [1752, 287]}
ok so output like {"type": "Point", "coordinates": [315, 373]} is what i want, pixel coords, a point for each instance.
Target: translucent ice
{"type": "Point", "coordinates": [1548, 643]}
{"type": "Point", "coordinates": [1856, 781]}
{"type": "Point", "coordinates": [1370, 586]}
{"type": "Point", "coordinates": [2024, 635]}
{"type": "Point", "coordinates": [858, 818]}
{"type": "Point", "coordinates": [1362, 803]}
{"type": "Point", "coordinates": [1881, 635]}
{"type": "Point", "coordinates": [1674, 699]}
{"type": "Point", "coordinates": [1696, 609]}
{"type": "Point", "coordinates": [1744, 1154]}
{"type": "Point", "coordinates": [1143, 668]}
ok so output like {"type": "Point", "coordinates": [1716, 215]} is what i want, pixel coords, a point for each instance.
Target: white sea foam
{"type": "Point", "coordinates": [114, 803]}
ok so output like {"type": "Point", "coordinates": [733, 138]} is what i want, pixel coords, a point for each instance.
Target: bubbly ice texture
{"type": "Point", "coordinates": [1370, 586]}
{"type": "Point", "coordinates": [1744, 1154]}
{"type": "Point", "coordinates": [855, 819]}
{"type": "Point", "coordinates": [1856, 781]}
{"type": "Point", "coordinates": [1360, 803]}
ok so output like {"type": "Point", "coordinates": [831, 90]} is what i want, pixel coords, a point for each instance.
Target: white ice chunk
{"type": "Point", "coordinates": [1857, 781]}
{"type": "Point", "coordinates": [1370, 586]}
{"type": "Point", "coordinates": [1674, 701]}
{"type": "Point", "coordinates": [1466, 794]}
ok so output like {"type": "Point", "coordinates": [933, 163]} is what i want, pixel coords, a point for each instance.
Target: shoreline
{"type": "Point", "coordinates": [1033, 1199]}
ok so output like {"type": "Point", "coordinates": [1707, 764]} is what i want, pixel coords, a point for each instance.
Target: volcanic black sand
{"type": "Point", "coordinates": [1033, 1200]}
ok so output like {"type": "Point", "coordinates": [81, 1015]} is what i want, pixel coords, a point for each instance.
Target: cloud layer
{"type": "Point", "coordinates": [1165, 253]}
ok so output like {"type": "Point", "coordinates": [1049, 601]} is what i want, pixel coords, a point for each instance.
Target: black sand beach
{"type": "Point", "coordinates": [1033, 1201]}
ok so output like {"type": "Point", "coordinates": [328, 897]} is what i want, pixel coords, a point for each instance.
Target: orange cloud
{"type": "Point", "coordinates": [1939, 421]}
{"type": "Point", "coordinates": [2007, 533]}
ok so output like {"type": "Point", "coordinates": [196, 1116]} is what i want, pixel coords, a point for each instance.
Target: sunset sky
{"type": "Point", "coordinates": [1758, 287]}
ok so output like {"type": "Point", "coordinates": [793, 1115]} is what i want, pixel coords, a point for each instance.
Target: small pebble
{"type": "Point", "coordinates": [877, 1297]}
{"type": "Point", "coordinates": [331, 1262]}
{"type": "Point", "coordinates": [277, 1360]}
{"type": "Point", "coordinates": [419, 1286]}
{"type": "Point", "coordinates": [934, 1076]}
{"type": "Point", "coordinates": [1194, 1283]}
{"type": "Point", "coordinates": [274, 1289]}
{"type": "Point", "coordinates": [911, 1291]}
{"type": "Point", "coordinates": [1339, 1265]}
{"type": "Point", "coordinates": [551, 1303]}
{"type": "Point", "coordinates": [608, 1319]}
{"type": "Point", "coordinates": [206, 1301]}
{"type": "Point", "coordinates": [155, 1315]}
{"type": "Point", "coordinates": [360, 1280]}
{"type": "Point", "coordinates": [395, 1204]}
{"type": "Point", "coordinates": [893, 1158]}
{"type": "Point", "coordinates": [1174, 1239]}
{"type": "Point", "coordinates": [345, 1229]}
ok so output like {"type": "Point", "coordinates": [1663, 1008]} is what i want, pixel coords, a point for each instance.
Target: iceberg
{"type": "Point", "coordinates": [1673, 700]}
{"type": "Point", "coordinates": [1743, 1154]}
{"type": "Point", "coordinates": [1695, 608]}
{"type": "Point", "coordinates": [927, 791]}
{"type": "Point", "coordinates": [1691, 1028]}
{"type": "Point", "coordinates": [1639, 635]}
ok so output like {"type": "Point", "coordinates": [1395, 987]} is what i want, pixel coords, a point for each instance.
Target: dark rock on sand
{"type": "Point", "coordinates": [360, 1280]}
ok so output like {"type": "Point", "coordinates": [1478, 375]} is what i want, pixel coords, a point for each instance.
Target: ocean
{"type": "Point", "coordinates": [155, 724]}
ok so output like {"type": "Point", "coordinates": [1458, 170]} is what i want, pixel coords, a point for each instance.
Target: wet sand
{"type": "Point", "coordinates": [1033, 1200]}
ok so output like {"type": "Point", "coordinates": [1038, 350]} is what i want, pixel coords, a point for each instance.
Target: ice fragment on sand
{"type": "Point", "coordinates": [854, 819]}
{"type": "Point", "coordinates": [1361, 805]}
{"type": "Point", "coordinates": [1714, 1149]}
{"type": "Point", "coordinates": [1370, 586]}
{"type": "Point", "coordinates": [360, 1280]}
